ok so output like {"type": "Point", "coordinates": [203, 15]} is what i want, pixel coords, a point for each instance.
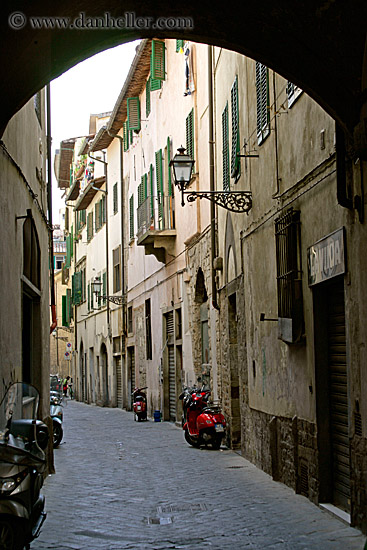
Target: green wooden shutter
{"type": "Point", "coordinates": [262, 102]}
{"type": "Point", "coordinates": [125, 127]}
{"type": "Point", "coordinates": [63, 307]}
{"type": "Point", "coordinates": [133, 113]}
{"type": "Point", "coordinates": [147, 98]}
{"type": "Point", "coordinates": [151, 190]}
{"type": "Point", "coordinates": [68, 251]}
{"type": "Point", "coordinates": [225, 149]}
{"type": "Point", "coordinates": [179, 45]}
{"type": "Point", "coordinates": [131, 214]}
{"type": "Point", "coordinates": [68, 306]}
{"type": "Point", "coordinates": [190, 134]}
{"type": "Point", "coordinates": [169, 168]}
{"type": "Point", "coordinates": [157, 62]}
{"type": "Point", "coordinates": [159, 181]}
{"type": "Point", "coordinates": [155, 84]}
{"type": "Point", "coordinates": [235, 160]}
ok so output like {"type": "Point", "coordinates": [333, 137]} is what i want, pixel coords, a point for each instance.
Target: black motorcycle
{"type": "Point", "coordinates": [23, 440]}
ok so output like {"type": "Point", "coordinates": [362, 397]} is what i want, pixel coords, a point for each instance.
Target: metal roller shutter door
{"type": "Point", "coordinates": [338, 396]}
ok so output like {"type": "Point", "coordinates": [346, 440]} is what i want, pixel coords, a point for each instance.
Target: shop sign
{"type": "Point", "coordinates": [326, 258]}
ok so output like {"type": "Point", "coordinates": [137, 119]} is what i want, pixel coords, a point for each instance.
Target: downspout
{"type": "Point", "coordinates": [107, 251]}
{"type": "Point", "coordinates": [49, 206]}
{"type": "Point", "coordinates": [341, 172]}
{"type": "Point", "coordinates": [122, 230]}
{"type": "Point", "coordinates": [211, 177]}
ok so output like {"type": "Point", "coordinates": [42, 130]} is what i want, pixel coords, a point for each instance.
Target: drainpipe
{"type": "Point", "coordinates": [341, 174]}
{"type": "Point", "coordinates": [107, 251]}
{"type": "Point", "coordinates": [211, 176]}
{"type": "Point", "coordinates": [122, 231]}
{"type": "Point", "coordinates": [49, 206]}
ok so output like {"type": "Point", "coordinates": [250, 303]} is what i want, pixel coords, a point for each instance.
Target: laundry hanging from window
{"type": "Point", "coordinates": [189, 74]}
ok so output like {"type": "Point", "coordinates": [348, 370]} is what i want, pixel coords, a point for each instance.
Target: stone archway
{"type": "Point", "coordinates": [321, 47]}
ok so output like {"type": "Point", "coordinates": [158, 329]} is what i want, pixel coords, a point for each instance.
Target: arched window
{"type": "Point", "coordinates": [31, 253]}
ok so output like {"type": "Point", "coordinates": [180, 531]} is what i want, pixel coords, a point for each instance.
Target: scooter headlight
{"type": "Point", "coordinates": [8, 484]}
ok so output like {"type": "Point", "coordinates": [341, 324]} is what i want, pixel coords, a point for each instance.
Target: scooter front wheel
{"type": "Point", "coordinates": [190, 440]}
{"type": "Point", "coordinates": [58, 433]}
{"type": "Point", "coordinates": [10, 535]}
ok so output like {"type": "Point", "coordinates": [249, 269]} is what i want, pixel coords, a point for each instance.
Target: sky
{"type": "Point", "coordinates": [90, 87]}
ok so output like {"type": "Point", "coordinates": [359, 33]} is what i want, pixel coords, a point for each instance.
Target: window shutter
{"type": "Point", "coordinates": [159, 181]}
{"type": "Point", "coordinates": [169, 168]}
{"type": "Point", "coordinates": [96, 216]}
{"type": "Point", "coordinates": [147, 98]}
{"type": "Point", "coordinates": [190, 134]}
{"type": "Point", "coordinates": [115, 199]}
{"type": "Point", "coordinates": [125, 127]}
{"type": "Point", "coordinates": [63, 305]}
{"type": "Point", "coordinates": [131, 213]}
{"type": "Point", "coordinates": [88, 296]}
{"type": "Point", "coordinates": [225, 149]}
{"type": "Point", "coordinates": [68, 306]}
{"type": "Point", "coordinates": [157, 63]}
{"type": "Point", "coordinates": [262, 102]}
{"type": "Point", "coordinates": [133, 113]}
{"type": "Point", "coordinates": [179, 45]}
{"type": "Point", "coordinates": [151, 191]}
{"type": "Point", "coordinates": [235, 160]}
{"type": "Point", "coordinates": [155, 84]}
{"type": "Point", "coordinates": [67, 260]}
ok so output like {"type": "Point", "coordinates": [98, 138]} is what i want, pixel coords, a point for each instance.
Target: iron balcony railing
{"type": "Point", "coordinates": [156, 214]}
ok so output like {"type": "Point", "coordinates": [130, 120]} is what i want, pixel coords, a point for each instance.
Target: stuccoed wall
{"type": "Point", "coordinates": [22, 157]}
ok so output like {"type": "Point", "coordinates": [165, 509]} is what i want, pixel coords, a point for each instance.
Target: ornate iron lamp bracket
{"type": "Point", "coordinates": [235, 201]}
{"type": "Point", "coordinates": [118, 300]}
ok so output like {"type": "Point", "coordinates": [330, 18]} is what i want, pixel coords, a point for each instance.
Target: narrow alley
{"type": "Point", "coordinates": [120, 485]}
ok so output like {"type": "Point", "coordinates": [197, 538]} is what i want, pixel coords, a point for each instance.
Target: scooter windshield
{"type": "Point", "coordinates": [18, 411]}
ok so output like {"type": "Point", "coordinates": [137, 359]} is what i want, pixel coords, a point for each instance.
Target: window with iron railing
{"type": "Point", "coordinates": [289, 276]}
{"type": "Point", "coordinates": [156, 213]}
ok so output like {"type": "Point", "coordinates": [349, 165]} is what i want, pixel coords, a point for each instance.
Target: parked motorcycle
{"type": "Point", "coordinates": [23, 440]}
{"type": "Point", "coordinates": [140, 404]}
{"type": "Point", "coordinates": [56, 413]}
{"type": "Point", "coordinates": [203, 423]}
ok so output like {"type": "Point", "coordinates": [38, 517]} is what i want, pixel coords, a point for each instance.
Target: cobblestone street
{"type": "Point", "coordinates": [120, 485]}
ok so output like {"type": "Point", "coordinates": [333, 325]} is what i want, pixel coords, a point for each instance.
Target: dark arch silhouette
{"type": "Point", "coordinates": [319, 46]}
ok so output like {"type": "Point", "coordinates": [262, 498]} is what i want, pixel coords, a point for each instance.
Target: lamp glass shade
{"type": "Point", "coordinates": [182, 168]}
{"type": "Point", "coordinates": [96, 285]}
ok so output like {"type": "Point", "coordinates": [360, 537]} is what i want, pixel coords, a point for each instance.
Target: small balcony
{"type": "Point", "coordinates": [156, 226]}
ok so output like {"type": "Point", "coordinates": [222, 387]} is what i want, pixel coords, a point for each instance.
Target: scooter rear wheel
{"type": "Point", "coordinates": [10, 535]}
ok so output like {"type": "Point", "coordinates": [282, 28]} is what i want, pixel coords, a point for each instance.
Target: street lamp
{"type": "Point", "coordinates": [96, 289]}
{"type": "Point", "coordinates": [236, 201]}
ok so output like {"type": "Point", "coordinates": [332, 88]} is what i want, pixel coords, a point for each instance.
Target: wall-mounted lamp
{"type": "Point", "coordinates": [182, 164]}
{"type": "Point", "coordinates": [96, 289]}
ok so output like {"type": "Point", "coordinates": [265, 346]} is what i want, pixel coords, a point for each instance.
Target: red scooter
{"type": "Point", "coordinates": [139, 404]}
{"type": "Point", "coordinates": [202, 423]}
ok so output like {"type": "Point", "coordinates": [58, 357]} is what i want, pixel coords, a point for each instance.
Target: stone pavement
{"type": "Point", "coordinates": [121, 484]}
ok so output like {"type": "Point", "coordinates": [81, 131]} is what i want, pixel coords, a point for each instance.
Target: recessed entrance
{"type": "Point", "coordinates": [332, 393]}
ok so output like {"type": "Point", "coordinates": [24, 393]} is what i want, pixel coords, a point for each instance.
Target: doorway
{"type": "Point", "coordinates": [332, 393]}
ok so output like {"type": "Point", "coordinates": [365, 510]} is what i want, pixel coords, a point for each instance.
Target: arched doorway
{"type": "Point", "coordinates": [104, 375]}
{"type": "Point", "coordinates": [31, 296]}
